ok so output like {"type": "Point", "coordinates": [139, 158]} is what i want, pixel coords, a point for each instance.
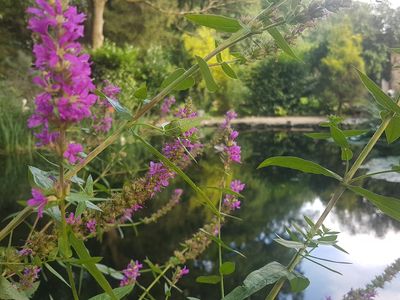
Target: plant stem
{"type": "Point", "coordinates": [219, 244]}
{"type": "Point", "coordinates": [72, 282]}
{"type": "Point", "coordinates": [147, 290]}
{"type": "Point", "coordinates": [335, 197]}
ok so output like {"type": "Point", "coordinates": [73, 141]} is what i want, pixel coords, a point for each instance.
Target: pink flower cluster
{"type": "Point", "coordinates": [64, 72]}
{"type": "Point", "coordinates": [106, 110]}
{"type": "Point", "coordinates": [232, 149]}
{"type": "Point", "coordinates": [29, 276]}
{"type": "Point", "coordinates": [131, 273]}
{"type": "Point", "coordinates": [39, 200]}
{"type": "Point", "coordinates": [232, 201]}
{"type": "Point", "coordinates": [166, 105]}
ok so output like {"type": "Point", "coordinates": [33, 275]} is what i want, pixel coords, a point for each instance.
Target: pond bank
{"type": "Point", "coordinates": [295, 123]}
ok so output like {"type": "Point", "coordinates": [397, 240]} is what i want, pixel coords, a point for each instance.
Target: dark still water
{"type": "Point", "coordinates": [273, 198]}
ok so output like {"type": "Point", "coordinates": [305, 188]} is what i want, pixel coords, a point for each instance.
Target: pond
{"type": "Point", "coordinates": [273, 198]}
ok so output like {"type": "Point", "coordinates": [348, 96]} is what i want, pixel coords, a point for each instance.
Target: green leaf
{"type": "Point", "coordinates": [378, 94]}
{"type": "Point", "coordinates": [257, 280]}
{"type": "Point", "coordinates": [182, 174]}
{"type": "Point", "coordinates": [388, 205]}
{"type": "Point", "coordinates": [41, 178]}
{"type": "Point", "coordinates": [321, 265]}
{"type": "Point", "coordinates": [228, 70]}
{"type": "Point", "coordinates": [83, 253]}
{"type": "Point", "coordinates": [346, 154]}
{"type": "Point", "coordinates": [281, 42]}
{"type": "Point", "coordinates": [289, 244]}
{"type": "Point", "coordinates": [227, 268]}
{"type": "Point", "coordinates": [392, 131]}
{"type": "Point", "coordinates": [206, 74]}
{"type": "Point", "coordinates": [221, 243]}
{"type": "Point", "coordinates": [141, 92]}
{"type": "Point", "coordinates": [327, 135]}
{"type": "Point", "coordinates": [339, 137]}
{"type": "Point", "coordinates": [299, 164]}
{"type": "Point", "coordinates": [184, 85]}
{"type": "Point", "coordinates": [110, 271]}
{"type": "Point", "coordinates": [219, 23]}
{"type": "Point", "coordinates": [8, 291]}
{"type": "Point", "coordinates": [119, 108]}
{"type": "Point", "coordinates": [211, 279]}
{"type": "Point", "coordinates": [55, 273]}
{"type": "Point", "coordinates": [299, 283]}
{"type": "Point", "coordinates": [119, 292]}
{"type": "Point", "coordinates": [309, 221]}
{"type": "Point", "coordinates": [89, 186]}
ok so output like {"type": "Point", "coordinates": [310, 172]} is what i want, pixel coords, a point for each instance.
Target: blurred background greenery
{"type": "Point", "coordinates": [145, 40]}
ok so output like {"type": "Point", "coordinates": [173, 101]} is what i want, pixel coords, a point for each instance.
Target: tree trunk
{"type": "Point", "coordinates": [98, 23]}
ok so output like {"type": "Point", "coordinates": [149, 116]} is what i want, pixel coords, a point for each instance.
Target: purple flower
{"type": "Point", "coordinates": [29, 276]}
{"type": "Point", "coordinates": [237, 186]}
{"type": "Point", "coordinates": [166, 105]}
{"type": "Point", "coordinates": [71, 220]}
{"type": "Point", "coordinates": [64, 71]}
{"type": "Point", "coordinates": [111, 90]}
{"type": "Point", "coordinates": [234, 135]}
{"type": "Point", "coordinates": [230, 200]}
{"type": "Point", "coordinates": [91, 225]}
{"type": "Point", "coordinates": [234, 152]}
{"type": "Point", "coordinates": [131, 273]}
{"type": "Point", "coordinates": [72, 154]}
{"type": "Point", "coordinates": [229, 116]}
{"type": "Point", "coordinates": [39, 200]}
{"type": "Point", "coordinates": [25, 252]}
{"type": "Point", "coordinates": [129, 212]}
{"type": "Point", "coordinates": [158, 176]}
{"type": "Point", "coordinates": [182, 272]}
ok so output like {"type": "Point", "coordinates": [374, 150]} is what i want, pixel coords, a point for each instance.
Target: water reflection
{"type": "Point", "coordinates": [274, 198]}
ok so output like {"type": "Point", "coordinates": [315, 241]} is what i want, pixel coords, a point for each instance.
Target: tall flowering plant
{"type": "Point", "coordinates": [69, 211]}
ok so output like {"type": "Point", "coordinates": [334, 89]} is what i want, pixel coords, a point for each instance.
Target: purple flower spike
{"type": "Point", "coordinates": [39, 200]}
{"type": "Point", "coordinates": [131, 273]}
{"type": "Point", "coordinates": [91, 225]}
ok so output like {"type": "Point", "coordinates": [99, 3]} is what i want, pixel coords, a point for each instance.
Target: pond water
{"type": "Point", "coordinates": [273, 198]}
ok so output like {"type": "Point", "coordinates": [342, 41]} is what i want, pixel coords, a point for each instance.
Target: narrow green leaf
{"type": "Point", "coordinates": [83, 253]}
{"type": "Point", "coordinates": [55, 273]}
{"type": "Point", "coordinates": [339, 137]}
{"type": "Point", "coordinates": [392, 131]}
{"type": "Point", "coordinates": [329, 260]}
{"type": "Point", "coordinates": [380, 97]}
{"type": "Point", "coordinates": [327, 135]}
{"type": "Point", "coordinates": [388, 205]}
{"type": "Point", "coordinates": [219, 23]}
{"type": "Point", "coordinates": [221, 243]}
{"type": "Point", "coordinates": [227, 268]}
{"type": "Point", "coordinates": [89, 186]}
{"type": "Point", "coordinates": [211, 279]}
{"type": "Point", "coordinates": [206, 74]}
{"type": "Point", "coordinates": [309, 221]}
{"type": "Point", "coordinates": [184, 85]}
{"type": "Point", "coordinates": [292, 236]}
{"type": "Point", "coordinates": [340, 248]}
{"type": "Point", "coordinates": [110, 271]}
{"type": "Point", "coordinates": [141, 92]}
{"type": "Point", "coordinates": [328, 238]}
{"type": "Point", "coordinates": [299, 164]}
{"type": "Point", "coordinates": [119, 108]}
{"type": "Point", "coordinates": [176, 169]}
{"type": "Point", "coordinates": [228, 70]}
{"type": "Point", "coordinates": [41, 178]}
{"type": "Point", "coordinates": [257, 280]}
{"type": "Point", "coordinates": [289, 244]}
{"type": "Point", "coordinates": [321, 265]}
{"type": "Point", "coordinates": [281, 42]}
{"type": "Point", "coordinates": [119, 292]}
{"type": "Point", "coordinates": [8, 291]}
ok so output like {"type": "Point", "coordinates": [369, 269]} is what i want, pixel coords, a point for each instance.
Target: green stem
{"type": "Point", "coordinates": [219, 246]}
{"type": "Point", "coordinates": [147, 290]}
{"type": "Point", "coordinates": [336, 196]}
{"type": "Point", "coordinates": [72, 282]}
